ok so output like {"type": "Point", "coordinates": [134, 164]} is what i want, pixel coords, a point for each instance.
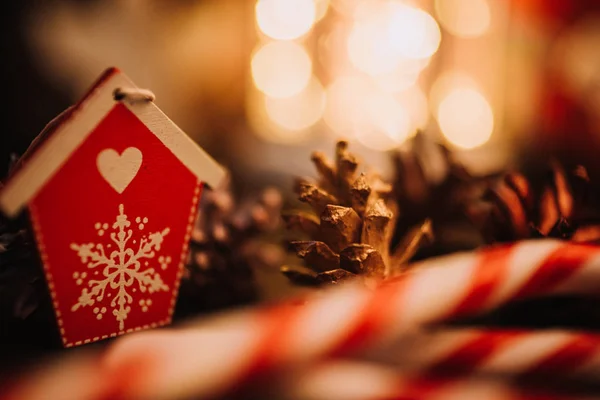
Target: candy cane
{"type": "Point", "coordinates": [226, 353]}
{"type": "Point", "coordinates": [83, 380]}
{"type": "Point", "coordinates": [67, 378]}
{"type": "Point", "coordinates": [359, 381]}
{"type": "Point", "coordinates": [552, 353]}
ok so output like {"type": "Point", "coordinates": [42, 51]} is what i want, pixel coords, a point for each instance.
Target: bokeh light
{"type": "Point", "coordinates": [281, 69]}
{"type": "Point", "coordinates": [347, 8]}
{"type": "Point", "coordinates": [413, 32]}
{"type": "Point", "coordinates": [403, 77]}
{"type": "Point", "coordinates": [369, 47]}
{"type": "Point", "coordinates": [344, 110]}
{"type": "Point", "coordinates": [389, 124]}
{"type": "Point", "coordinates": [300, 111]}
{"type": "Point", "coordinates": [447, 82]}
{"type": "Point", "coordinates": [375, 59]}
{"type": "Point", "coordinates": [358, 108]}
{"type": "Point", "coordinates": [465, 118]}
{"type": "Point", "coordinates": [388, 35]}
{"type": "Point", "coordinates": [464, 18]}
{"type": "Point", "coordinates": [263, 125]}
{"type": "Point", "coordinates": [415, 103]}
{"type": "Point", "coordinates": [575, 58]}
{"type": "Point", "coordinates": [331, 49]}
{"type": "Point", "coordinates": [322, 6]}
{"type": "Point", "coordinates": [285, 19]}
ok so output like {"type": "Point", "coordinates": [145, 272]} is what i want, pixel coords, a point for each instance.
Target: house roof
{"type": "Point", "coordinates": [63, 136]}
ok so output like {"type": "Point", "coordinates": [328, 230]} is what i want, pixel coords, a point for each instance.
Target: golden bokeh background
{"type": "Point", "coordinates": [260, 83]}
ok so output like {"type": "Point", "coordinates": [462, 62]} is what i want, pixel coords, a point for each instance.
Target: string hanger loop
{"type": "Point", "coordinates": [133, 95]}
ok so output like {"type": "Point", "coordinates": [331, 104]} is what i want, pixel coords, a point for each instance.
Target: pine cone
{"type": "Point", "coordinates": [19, 270]}
{"type": "Point", "coordinates": [228, 242]}
{"type": "Point", "coordinates": [27, 324]}
{"type": "Point", "coordinates": [350, 225]}
{"type": "Point", "coordinates": [443, 200]}
{"type": "Point", "coordinates": [561, 205]}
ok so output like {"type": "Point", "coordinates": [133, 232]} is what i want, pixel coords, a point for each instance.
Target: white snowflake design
{"type": "Point", "coordinates": [120, 269]}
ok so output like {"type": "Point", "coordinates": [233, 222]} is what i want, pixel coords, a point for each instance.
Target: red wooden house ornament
{"type": "Point", "coordinates": [112, 190]}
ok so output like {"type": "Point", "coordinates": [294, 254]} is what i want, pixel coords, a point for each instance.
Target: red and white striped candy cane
{"type": "Point", "coordinates": [358, 381]}
{"type": "Point", "coordinates": [552, 353]}
{"type": "Point", "coordinates": [66, 378]}
{"type": "Point", "coordinates": [225, 353]}
{"type": "Point", "coordinates": [81, 379]}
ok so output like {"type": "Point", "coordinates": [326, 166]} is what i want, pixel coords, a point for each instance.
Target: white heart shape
{"type": "Point", "coordinates": [119, 169]}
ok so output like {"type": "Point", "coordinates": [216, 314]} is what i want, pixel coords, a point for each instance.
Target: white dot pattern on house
{"type": "Point", "coordinates": [145, 303]}
{"type": "Point", "coordinates": [99, 312]}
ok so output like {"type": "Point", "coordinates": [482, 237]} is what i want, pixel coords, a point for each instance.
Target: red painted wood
{"type": "Point", "coordinates": [78, 199]}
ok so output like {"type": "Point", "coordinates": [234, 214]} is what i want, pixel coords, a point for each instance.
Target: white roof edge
{"type": "Point", "coordinates": [69, 135]}
{"type": "Point", "coordinates": [183, 147]}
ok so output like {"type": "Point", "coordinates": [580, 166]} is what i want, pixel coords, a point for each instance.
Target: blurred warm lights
{"type": "Point", "coordinates": [281, 69]}
{"type": "Point", "coordinates": [373, 55]}
{"type": "Point", "coordinates": [389, 34]}
{"type": "Point", "coordinates": [298, 112]}
{"type": "Point", "coordinates": [331, 50]}
{"type": "Point", "coordinates": [413, 32]}
{"type": "Point", "coordinates": [263, 125]}
{"type": "Point", "coordinates": [344, 111]}
{"type": "Point", "coordinates": [464, 18]}
{"type": "Point", "coordinates": [389, 123]}
{"type": "Point", "coordinates": [415, 102]}
{"type": "Point", "coordinates": [576, 58]}
{"type": "Point", "coordinates": [403, 77]}
{"type": "Point", "coordinates": [370, 49]}
{"type": "Point", "coordinates": [465, 118]}
{"type": "Point", "coordinates": [321, 8]}
{"type": "Point", "coordinates": [447, 82]}
{"type": "Point", "coordinates": [358, 108]}
{"type": "Point", "coordinates": [285, 19]}
{"type": "Point", "coordinates": [347, 7]}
